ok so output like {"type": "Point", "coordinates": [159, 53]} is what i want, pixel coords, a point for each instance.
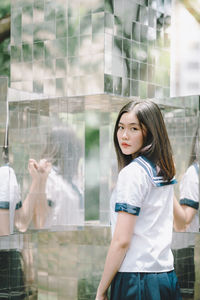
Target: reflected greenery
{"type": "Point", "coordinates": [5, 38]}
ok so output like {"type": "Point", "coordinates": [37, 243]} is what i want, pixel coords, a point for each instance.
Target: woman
{"type": "Point", "coordinates": [60, 201]}
{"type": "Point", "coordinates": [14, 214]}
{"type": "Point", "coordinates": [184, 244]}
{"type": "Point", "coordinates": [189, 189]}
{"type": "Point", "coordinates": [139, 262]}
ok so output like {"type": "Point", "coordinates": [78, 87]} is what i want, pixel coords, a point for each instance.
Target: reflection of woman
{"type": "Point", "coordinates": [189, 190]}
{"type": "Point", "coordinates": [60, 200]}
{"type": "Point", "coordinates": [12, 214]}
{"type": "Point", "coordinates": [139, 262]}
{"type": "Point", "coordinates": [187, 208]}
{"type": "Point", "coordinates": [189, 197]}
{"type": "Point", "coordinates": [189, 193]}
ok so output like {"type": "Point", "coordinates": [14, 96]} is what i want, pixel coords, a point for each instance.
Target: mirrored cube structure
{"type": "Point", "coordinates": [104, 52]}
{"type": "Point", "coordinates": [83, 47]}
{"type": "Point", "coordinates": [53, 131]}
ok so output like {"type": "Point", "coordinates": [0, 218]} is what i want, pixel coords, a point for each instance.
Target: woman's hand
{"type": "Point", "coordinates": [44, 168]}
{"type": "Point", "coordinates": [39, 171]}
{"type": "Point", "coordinates": [33, 168]}
{"type": "Point", "coordinates": [101, 296]}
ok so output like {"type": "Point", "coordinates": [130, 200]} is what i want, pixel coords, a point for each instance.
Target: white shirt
{"type": "Point", "coordinates": [140, 192]}
{"type": "Point", "coordinates": [64, 201]}
{"type": "Point", "coordinates": [189, 194]}
{"type": "Point", "coordinates": [9, 200]}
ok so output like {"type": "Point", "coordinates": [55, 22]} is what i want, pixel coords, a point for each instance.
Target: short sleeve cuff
{"type": "Point", "coordinates": [190, 203]}
{"type": "Point", "coordinates": [6, 205]}
{"type": "Point", "coordinates": [18, 205]}
{"type": "Point", "coordinates": [50, 203]}
{"type": "Point", "coordinates": [134, 210]}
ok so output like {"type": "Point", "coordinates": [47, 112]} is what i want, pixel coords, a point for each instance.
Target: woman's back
{"type": "Point", "coordinates": [138, 188]}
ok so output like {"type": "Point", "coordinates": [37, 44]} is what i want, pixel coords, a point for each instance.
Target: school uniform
{"type": "Point", "coordinates": [189, 194]}
{"type": "Point", "coordinates": [147, 271]}
{"type": "Point", "coordinates": [65, 202]}
{"type": "Point", "coordinates": [11, 272]}
{"type": "Point", "coordinates": [183, 244]}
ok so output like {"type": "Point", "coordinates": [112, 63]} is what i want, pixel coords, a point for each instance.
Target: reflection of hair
{"type": "Point", "coordinates": [156, 145]}
{"type": "Point", "coordinates": [5, 155]}
{"type": "Point", "coordinates": [5, 152]}
{"type": "Point", "coordinates": [63, 149]}
{"type": "Point", "coordinates": [195, 146]}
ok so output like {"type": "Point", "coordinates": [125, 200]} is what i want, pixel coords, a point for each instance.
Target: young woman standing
{"type": "Point", "coordinates": [139, 263]}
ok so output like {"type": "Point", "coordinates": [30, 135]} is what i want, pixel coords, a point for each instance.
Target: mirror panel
{"type": "Point", "coordinates": [46, 152]}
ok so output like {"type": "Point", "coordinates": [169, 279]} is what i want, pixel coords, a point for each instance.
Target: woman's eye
{"type": "Point", "coordinates": [134, 128]}
{"type": "Point", "coordinates": [120, 127]}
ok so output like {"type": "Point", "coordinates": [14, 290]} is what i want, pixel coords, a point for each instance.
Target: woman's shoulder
{"type": "Point", "coordinates": [194, 168]}
{"type": "Point", "coordinates": [192, 172]}
{"type": "Point", "coordinates": [6, 170]}
{"type": "Point", "coordinates": [134, 170]}
{"type": "Point", "coordinates": [141, 166]}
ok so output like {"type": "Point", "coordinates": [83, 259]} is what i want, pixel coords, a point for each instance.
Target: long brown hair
{"type": "Point", "coordinates": [194, 152]}
{"type": "Point", "coordinates": [156, 145]}
{"type": "Point", "coordinates": [63, 149]}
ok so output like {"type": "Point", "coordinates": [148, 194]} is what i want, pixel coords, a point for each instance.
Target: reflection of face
{"type": "Point", "coordinates": [129, 134]}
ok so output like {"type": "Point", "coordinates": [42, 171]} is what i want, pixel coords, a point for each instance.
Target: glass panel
{"type": "Point", "coordinates": [47, 139]}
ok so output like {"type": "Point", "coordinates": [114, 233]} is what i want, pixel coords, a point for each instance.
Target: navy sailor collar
{"type": "Point", "coordinates": [150, 169]}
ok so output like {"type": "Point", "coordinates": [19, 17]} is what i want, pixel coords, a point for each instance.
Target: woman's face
{"type": "Point", "coordinates": [130, 134]}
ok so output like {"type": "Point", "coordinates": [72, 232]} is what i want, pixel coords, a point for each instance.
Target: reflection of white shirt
{"type": "Point", "coordinates": [140, 192]}
{"type": "Point", "coordinates": [64, 202]}
{"type": "Point", "coordinates": [189, 194]}
{"type": "Point", "coordinates": [9, 200]}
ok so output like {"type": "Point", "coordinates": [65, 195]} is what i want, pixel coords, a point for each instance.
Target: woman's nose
{"type": "Point", "coordinates": [125, 135]}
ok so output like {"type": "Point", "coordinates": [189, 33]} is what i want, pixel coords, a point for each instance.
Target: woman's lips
{"type": "Point", "coordinates": [125, 145]}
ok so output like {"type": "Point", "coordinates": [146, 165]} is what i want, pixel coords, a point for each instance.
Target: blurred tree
{"type": "Point", "coordinates": [5, 38]}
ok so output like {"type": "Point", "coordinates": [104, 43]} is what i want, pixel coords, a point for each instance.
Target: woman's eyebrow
{"type": "Point", "coordinates": [133, 123]}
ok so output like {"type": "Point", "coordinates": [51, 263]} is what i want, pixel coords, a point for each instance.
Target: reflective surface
{"type": "Point", "coordinates": [185, 62]}
{"type": "Point", "coordinates": [3, 112]}
{"type": "Point", "coordinates": [64, 49]}
{"type": "Point", "coordinates": [47, 150]}
{"type": "Point", "coordinates": [33, 129]}
{"type": "Point", "coordinates": [137, 49]}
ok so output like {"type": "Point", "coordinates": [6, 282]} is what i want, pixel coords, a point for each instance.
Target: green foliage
{"type": "Point", "coordinates": [4, 8]}
{"type": "Point", "coordinates": [5, 58]}
{"type": "Point", "coordinates": [4, 46]}
{"type": "Point", "coordinates": [92, 190]}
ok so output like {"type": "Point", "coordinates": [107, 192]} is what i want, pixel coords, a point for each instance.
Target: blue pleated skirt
{"type": "Point", "coordinates": [145, 286]}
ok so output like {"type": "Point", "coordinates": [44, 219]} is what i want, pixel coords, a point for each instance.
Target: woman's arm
{"type": "Point", "coordinates": [36, 193]}
{"type": "Point", "coordinates": [117, 251]}
{"type": "Point", "coordinates": [179, 216]}
{"type": "Point", "coordinates": [42, 208]}
{"type": "Point", "coordinates": [4, 222]}
{"type": "Point", "coordinates": [24, 215]}
{"type": "Point", "coordinates": [183, 215]}
{"type": "Point", "coordinates": [190, 212]}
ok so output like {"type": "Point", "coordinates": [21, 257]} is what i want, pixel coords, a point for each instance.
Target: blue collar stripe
{"type": "Point", "coordinates": [145, 165]}
{"type": "Point", "coordinates": [150, 169]}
